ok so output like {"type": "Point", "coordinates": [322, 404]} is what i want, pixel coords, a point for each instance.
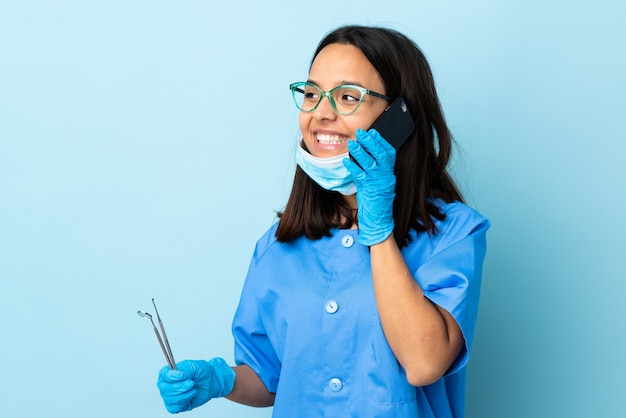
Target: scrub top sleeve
{"type": "Point", "coordinates": [451, 279]}
{"type": "Point", "coordinates": [253, 346]}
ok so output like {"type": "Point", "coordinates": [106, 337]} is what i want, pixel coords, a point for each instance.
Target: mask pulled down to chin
{"type": "Point", "coordinates": [329, 173]}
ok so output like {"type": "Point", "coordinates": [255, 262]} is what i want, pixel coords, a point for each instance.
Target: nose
{"type": "Point", "coordinates": [324, 110]}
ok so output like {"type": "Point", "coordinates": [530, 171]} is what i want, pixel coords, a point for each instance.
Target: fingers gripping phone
{"type": "Point", "coordinates": [395, 124]}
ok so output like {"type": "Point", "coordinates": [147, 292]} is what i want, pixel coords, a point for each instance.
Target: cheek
{"type": "Point", "coordinates": [304, 120]}
{"type": "Point", "coordinates": [360, 123]}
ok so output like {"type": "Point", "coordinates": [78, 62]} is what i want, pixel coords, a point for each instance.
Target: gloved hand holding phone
{"type": "Point", "coordinates": [375, 184]}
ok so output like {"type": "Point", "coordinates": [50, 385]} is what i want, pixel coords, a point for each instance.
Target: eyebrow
{"type": "Point", "coordinates": [341, 83]}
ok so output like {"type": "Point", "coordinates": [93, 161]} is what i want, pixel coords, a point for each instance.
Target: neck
{"type": "Point", "coordinates": [351, 201]}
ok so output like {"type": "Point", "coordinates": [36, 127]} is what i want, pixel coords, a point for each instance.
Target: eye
{"type": "Point", "coordinates": [311, 93]}
{"type": "Point", "coordinates": [348, 96]}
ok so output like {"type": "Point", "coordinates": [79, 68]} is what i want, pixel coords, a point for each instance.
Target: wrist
{"type": "Point", "coordinates": [386, 238]}
{"type": "Point", "coordinates": [372, 239]}
{"type": "Point", "coordinates": [225, 376]}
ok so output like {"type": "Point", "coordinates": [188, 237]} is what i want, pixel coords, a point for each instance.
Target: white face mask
{"type": "Point", "coordinates": [329, 173]}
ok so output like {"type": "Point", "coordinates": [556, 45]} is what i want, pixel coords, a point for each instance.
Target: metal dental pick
{"type": "Point", "coordinates": [167, 343]}
{"type": "Point", "coordinates": [166, 351]}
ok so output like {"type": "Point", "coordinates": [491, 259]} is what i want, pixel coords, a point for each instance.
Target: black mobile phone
{"type": "Point", "coordinates": [395, 124]}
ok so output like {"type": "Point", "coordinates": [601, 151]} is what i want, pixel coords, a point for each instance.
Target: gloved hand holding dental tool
{"type": "Point", "coordinates": [194, 383]}
{"type": "Point", "coordinates": [190, 383]}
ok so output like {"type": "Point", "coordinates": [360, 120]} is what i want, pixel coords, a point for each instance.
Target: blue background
{"type": "Point", "coordinates": [145, 146]}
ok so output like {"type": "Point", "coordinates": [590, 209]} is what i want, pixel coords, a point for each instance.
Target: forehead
{"type": "Point", "coordinates": [342, 64]}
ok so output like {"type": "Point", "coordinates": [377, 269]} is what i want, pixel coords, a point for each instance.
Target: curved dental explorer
{"type": "Point", "coordinates": [145, 314]}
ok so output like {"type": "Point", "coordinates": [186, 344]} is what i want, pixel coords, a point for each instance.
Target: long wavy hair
{"type": "Point", "coordinates": [421, 162]}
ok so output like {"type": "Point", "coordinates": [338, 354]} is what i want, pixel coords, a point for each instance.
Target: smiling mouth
{"type": "Point", "coordinates": [330, 139]}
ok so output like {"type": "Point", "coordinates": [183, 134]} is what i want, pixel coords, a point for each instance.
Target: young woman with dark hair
{"type": "Point", "coordinates": [421, 164]}
{"type": "Point", "coordinates": [362, 300]}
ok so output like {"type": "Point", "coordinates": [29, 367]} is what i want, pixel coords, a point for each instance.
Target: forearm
{"type": "Point", "coordinates": [424, 337]}
{"type": "Point", "coordinates": [249, 389]}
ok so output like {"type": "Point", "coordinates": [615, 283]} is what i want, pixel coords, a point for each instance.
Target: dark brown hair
{"type": "Point", "coordinates": [421, 162]}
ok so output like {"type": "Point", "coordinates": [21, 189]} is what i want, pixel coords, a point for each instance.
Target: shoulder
{"type": "Point", "coordinates": [461, 221]}
{"type": "Point", "coordinates": [267, 241]}
{"type": "Point", "coordinates": [460, 216]}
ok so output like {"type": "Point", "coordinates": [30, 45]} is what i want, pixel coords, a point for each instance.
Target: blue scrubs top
{"type": "Point", "coordinates": [307, 322]}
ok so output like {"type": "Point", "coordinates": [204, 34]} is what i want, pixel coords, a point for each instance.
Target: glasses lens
{"type": "Point", "coordinates": [347, 99]}
{"type": "Point", "coordinates": [344, 99]}
{"type": "Point", "coordinates": [306, 96]}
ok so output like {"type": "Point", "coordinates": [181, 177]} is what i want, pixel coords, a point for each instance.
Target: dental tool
{"type": "Point", "coordinates": [167, 343]}
{"type": "Point", "coordinates": [166, 351]}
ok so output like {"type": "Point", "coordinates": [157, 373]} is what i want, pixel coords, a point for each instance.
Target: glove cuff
{"type": "Point", "coordinates": [224, 376]}
{"type": "Point", "coordinates": [375, 237]}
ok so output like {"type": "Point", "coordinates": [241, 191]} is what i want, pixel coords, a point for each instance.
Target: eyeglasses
{"type": "Point", "coordinates": [344, 99]}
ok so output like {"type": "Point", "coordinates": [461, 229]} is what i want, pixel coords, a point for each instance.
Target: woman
{"type": "Point", "coordinates": [361, 301]}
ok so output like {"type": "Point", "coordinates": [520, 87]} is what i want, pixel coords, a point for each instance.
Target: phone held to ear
{"type": "Point", "coordinates": [395, 124]}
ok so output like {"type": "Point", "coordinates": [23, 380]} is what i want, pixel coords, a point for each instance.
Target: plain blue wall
{"type": "Point", "coordinates": [144, 147]}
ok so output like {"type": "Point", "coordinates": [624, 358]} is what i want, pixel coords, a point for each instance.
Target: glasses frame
{"type": "Point", "coordinates": [297, 88]}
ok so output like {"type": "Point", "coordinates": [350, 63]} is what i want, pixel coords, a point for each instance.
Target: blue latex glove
{"type": "Point", "coordinates": [375, 185]}
{"type": "Point", "coordinates": [194, 383]}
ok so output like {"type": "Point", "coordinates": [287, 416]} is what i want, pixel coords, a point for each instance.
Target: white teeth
{"type": "Point", "coordinates": [330, 139]}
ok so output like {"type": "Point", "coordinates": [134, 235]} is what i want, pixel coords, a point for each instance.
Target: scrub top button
{"type": "Point", "coordinates": [335, 384]}
{"type": "Point", "coordinates": [347, 241]}
{"type": "Point", "coordinates": [331, 306]}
